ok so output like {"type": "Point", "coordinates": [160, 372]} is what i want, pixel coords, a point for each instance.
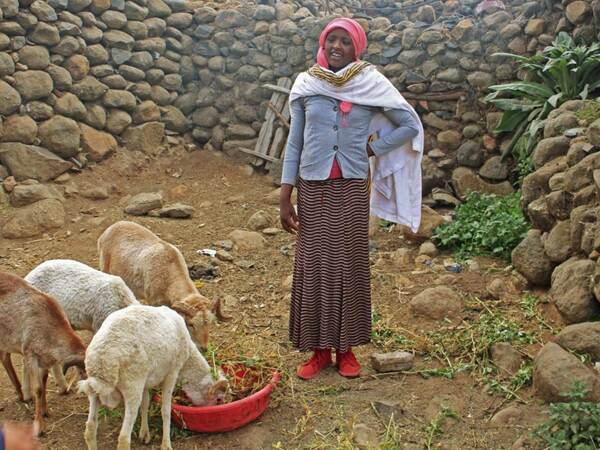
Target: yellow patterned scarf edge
{"type": "Point", "coordinates": [337, 80]}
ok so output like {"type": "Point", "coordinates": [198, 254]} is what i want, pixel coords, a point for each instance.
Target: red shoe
{"type": "Point", "coordinates": [347, 364]}
{"type": "Point", "coordinates": [320, 359]}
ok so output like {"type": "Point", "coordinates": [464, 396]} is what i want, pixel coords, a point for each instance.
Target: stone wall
{"type": "Point", "coordinates": [439, 55]}
{"type": "Point", "coordinates": [78, 78]}
{"type": "Point", "coordinates": [561, 199]}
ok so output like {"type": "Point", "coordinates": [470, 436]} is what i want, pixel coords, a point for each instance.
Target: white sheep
{"type": "Point", "coordinates": [34, 325]}
{"type": "Point", "coordinates": [157, 274]}
{"type": "Point", "coordinates": [138, 348]}
{"type": "Point", "coordinates": [86, 295]}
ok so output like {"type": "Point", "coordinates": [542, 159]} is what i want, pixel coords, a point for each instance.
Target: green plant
{"type": "Point", "coordinates": [434, 428]}
{"type": "Point", "coordinates": [523, 161]}
{"type": "Point", "coordinates": [468, 348]}
{"type": "Point", "coordinates": [521, 379]}
{"type": "Point", "coordinates": [485, 224]}
{"type": "Point", "coordinates": [561, 72]}
{"type": "Point", "coordinates": [573, 425]}
{"type": "Point", "coordinates": [589, 113]}
{"type": "Point", "coordinates": [383, 335]}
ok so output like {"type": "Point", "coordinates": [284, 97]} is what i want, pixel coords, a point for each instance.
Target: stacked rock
{"type": "Point", "coordinates": [561, 199]}
{"type": "Point", "coordinates": [77, 76]}
{"type": "Point", "coordinates": [80, 76]}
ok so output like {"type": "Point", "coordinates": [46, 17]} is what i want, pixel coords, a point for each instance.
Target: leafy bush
{"type": "Point", "coordinates": [574, 425]}
{"type": "Point", "coordinates": [562, 71]}
{"type": "Point", "coordinates": [484, 224]}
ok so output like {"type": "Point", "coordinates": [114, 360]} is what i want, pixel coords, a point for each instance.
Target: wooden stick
{"type": "Point", "coordinates": [276, 88]}
{"type": "Point", "coordinates": [279, 116]}
{"type": "Point", "coordinates": [441, 96]}
{"type": "Point", "coordinates": [260, 155]}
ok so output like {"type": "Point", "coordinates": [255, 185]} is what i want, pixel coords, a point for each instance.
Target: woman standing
{"type": "Point", "coordinates": [337, 107]}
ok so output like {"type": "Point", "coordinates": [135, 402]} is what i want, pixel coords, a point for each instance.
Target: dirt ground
{"type": "Point", "coordinates": [317, 414]}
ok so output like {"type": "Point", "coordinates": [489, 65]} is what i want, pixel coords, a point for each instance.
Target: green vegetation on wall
{"type": "Point", "coordinates": [563, 71]}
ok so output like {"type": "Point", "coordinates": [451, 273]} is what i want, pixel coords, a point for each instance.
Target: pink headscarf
{"type": "Point", "coordinates": [356, 32]}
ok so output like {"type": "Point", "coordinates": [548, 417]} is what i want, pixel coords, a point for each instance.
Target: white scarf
{"type": "Point", "coordinates": [396, 176]}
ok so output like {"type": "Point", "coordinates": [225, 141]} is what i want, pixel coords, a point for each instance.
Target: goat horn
{"type": "Point", "coordinates": [216, 308]}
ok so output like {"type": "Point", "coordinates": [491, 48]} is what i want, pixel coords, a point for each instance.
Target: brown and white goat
{"type": "Point", "coordinates": [157, 274]}
{"type": "Point", "coordinates": [34, 325]}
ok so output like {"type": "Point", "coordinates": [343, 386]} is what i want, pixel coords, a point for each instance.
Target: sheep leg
{"type": "Point", "coordinates": [91, 426]}
{"type": "Point", "coordinates": [26, 381]}
{"type": "Point", "coordinates": [104, 261]}
{"type": "Point", "coordinates": [35, 375]}
{"type": "Point", "coordinates": [144, 429]}
{"type": "Point", "coordinates": [10, 370]}
{"type": "Point", "coordinates": [167, 393]}
{"type": "Point", "coordinates": [133, 399]}
{"type": "Point", "coordinates": [59, 377]}
{"type": "Point", "coordinates": [44, 400]}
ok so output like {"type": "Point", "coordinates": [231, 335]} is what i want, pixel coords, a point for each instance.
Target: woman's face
{"type": "Point", "coordinates": [339, 48]}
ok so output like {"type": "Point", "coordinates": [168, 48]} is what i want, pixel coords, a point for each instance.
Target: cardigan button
{"type": "Point", "coordinates": [335, 147]}
{"type": "Point", "coordinates": [335, 128]}
{"type": "Point", "coordinates": [335, 108]}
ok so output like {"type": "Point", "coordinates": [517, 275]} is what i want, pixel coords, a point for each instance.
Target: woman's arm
{"type": "Point", "coordinates": [407, 128]}
{"type": "Point", "coordinates": [295, 142]}
{"type": "Point", "coordinates": [291, 163]}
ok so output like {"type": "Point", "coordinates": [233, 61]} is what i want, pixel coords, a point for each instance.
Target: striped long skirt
{"type": "Point", "coordinates": [331, 289]}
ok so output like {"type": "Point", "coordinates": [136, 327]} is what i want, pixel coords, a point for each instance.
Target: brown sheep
{"type": "Point", "coordinates": [34, 325]}
{"type": "Point", "coordinates": [157, 273]}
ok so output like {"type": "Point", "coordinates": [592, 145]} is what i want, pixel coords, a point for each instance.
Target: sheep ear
{"type": "Point", "coordinates": [216, 310]}
{"type": "Point", "coordinates": [184, 309]}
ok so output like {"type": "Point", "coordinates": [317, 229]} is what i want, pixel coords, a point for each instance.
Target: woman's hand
{"type": "Point", "coordinates": [287, 213]}
{"type": "Point", "coordinates": [369, 150]}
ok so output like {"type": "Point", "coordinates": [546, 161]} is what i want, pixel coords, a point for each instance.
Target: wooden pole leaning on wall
{"type": "Point", "coordinates": [275, 107]}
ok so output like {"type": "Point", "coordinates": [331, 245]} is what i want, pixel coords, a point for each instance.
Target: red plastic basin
{"type": "Point", "coordinates": [226, 417]}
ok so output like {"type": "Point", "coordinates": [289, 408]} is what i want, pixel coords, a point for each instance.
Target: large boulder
{"type": "Point", "coordinates": [61, 136]}
{"type": "Point", "coordinates": [578, 11]}
{"type": "Point", "coordinates": [548, 149]}
{"type": "Point", "coordinates": [97, 144]}
{"type": "Point", "coordinates": [29, 161]}
{"type": "Point", "coordinates": [536, 184]}
{"type": "Point", "coordinates": [69, 105]}
{"type": "Point", "coordinates": [119, 99]}
{"type": "Point", "coordinates": [35, 219]}
{"type": "Point", "coordinates": [437, 303]}
{"type": "Point", "coordinates": [465, 180]}
{"type": "Point", "coordinates": [35, 57]}
{"type": "Point", "coordinates": [430, 220]}
{"type": "Point", "coordinates": [572, 290]}
{"type": "Point", "coordinates": [174, 119]}
{"type": "Point", "coordinates": [26, 194]}
{"type": "Point", "coordinates": [142, 204]}
{"type": "Point", "coordinates": [19, 129]}
{"type": "Point", "coordinates": [531, 261]}
{"type": "Point", "coordinates": [247, 240]}
{"type": "Point", "coordinates": [557, 244]}
{"type": "Point", "coordinates": [89, 89]}
{"type": "Point", "coordinates": [581, 338]}
{"type": "Point", "coordinates": [259, 221]}
{"type": "Point", "coordinates": [33, 84]}
{"type": "Point", "coordinates": [146, 138]}
{"type": "Point", "coordinates": [117, 121]}
{"type": "Point", "coordinates": [555, 370]}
